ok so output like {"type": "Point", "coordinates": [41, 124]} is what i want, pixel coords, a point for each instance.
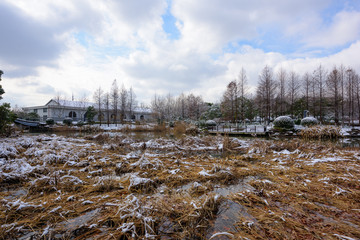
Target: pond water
{"type": "Point", "coordinates": [141, 136]}
{"type": "Point", "coordinates": [146, 136]}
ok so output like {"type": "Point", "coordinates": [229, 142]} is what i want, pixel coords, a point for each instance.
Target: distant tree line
{"type": "Point", "coordinates": [113, 105]}
{"type": "Point", "coordinates": [328, 95]}
{"type": "Point", "coordinates": [169, 108]}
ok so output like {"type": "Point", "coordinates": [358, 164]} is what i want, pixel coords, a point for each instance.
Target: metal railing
{"type": "Point", "coordinates": [238, 129]}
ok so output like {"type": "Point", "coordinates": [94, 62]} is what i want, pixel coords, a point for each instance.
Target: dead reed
{"type": "Point", "coordinates": [321, 132]}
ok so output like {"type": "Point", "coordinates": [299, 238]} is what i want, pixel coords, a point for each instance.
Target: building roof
{"type": "Point", "coordinates": [67, 103]}
{"type": "Point", "coordinates": [81, 104]}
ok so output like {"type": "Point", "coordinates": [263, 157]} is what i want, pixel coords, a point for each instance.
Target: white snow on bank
{"type": "Point", "coordinates": [18, 166]}
{"type": "Point", "coordinates": [342, 237]}
{"type": "Point", "coordinates": [327, 159]}
{"type": "Point", "coordinates": [204, 173]}
{"type": "Point", "coordinates": [115, 127]}
{"type": "Point", "coordinates": [7, 151]}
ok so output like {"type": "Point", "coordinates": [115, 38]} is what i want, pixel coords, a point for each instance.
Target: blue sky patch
{"type": "Point", "coordinates": [169, 25]}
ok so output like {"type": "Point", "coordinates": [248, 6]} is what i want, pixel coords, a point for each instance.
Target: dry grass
{"type": "Point", "coordinates": [180, 128]}
{"type": "Point", "coordinates": [160, 128]}
{"type": "Point", "coordinates": [321, 132]}
{"type": "Point", "coordinates": [288, 190]}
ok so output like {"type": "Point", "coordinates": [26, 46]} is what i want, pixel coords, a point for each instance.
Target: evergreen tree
{"type": "Point", "coordinates": [6, 115]}
{"type": "Point", "coordinates": [90, 114]}
{"type": "Point", "coordinates": [1, 89]}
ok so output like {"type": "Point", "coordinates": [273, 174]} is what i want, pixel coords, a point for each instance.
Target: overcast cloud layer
{"type": "Point", "coordinates": [166, 46]}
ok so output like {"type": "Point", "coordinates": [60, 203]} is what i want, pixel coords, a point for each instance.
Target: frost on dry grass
{"type": "Point", "coordinates": [113, 186]}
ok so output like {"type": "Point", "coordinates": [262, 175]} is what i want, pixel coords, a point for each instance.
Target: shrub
{"type": "Point", "coordinates": [80, 123]}
{"type": "Point", "coordinates": [309, 121]}
{"type": "Point", "coordinates": [210, 123]}
{"type": "Point", "coordinates": [180, 128]}
{"type": "Point", "coordinates": [284, 123]}
{"type": "Point", "coordinates": [201, 124]}
{"type": "Point", "coordinates": [50, 121]}
{"type": "Point", "coordinates": [67, 121]}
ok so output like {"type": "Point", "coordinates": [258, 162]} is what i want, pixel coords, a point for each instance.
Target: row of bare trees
{"type": "Point", "coordinates": [169, 108]}
{"type": "Point", "coordinates": [113, 106]}
{"type": "Point", "coordinates": [333, 94]}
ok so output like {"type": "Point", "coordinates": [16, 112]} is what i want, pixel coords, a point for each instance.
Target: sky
{"type": "Point", "coordinates": [72, 47]}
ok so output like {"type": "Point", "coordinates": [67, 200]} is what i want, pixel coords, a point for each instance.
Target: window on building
{"type": "Point", "coordinates": [44, 110]}
{"type": "Point", "coordinates": [72, 114]}
{"type": "Point", "coordinates": [35, 111]}
{"type": "Point", "coordinates": [142, 117]}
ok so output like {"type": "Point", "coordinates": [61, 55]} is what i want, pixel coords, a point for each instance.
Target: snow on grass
{"type": "Point", "coordinates": [327, 159]}
{"type": "Point", "coordinates": [135, 183]}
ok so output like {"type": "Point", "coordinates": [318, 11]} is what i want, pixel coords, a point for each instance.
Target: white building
{"type": "Point", "coordinates": [59, 110]}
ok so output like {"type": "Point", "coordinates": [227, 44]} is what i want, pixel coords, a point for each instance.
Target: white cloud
{"type": "Point", "coordinates": [345, 28]}
{"type": "Point", "coordinates": [209, 26]}
{"type": "Point", "coordinates": [150, 62]}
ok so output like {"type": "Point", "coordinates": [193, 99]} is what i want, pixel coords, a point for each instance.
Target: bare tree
{"type": "Point", "coordinates": [181, 104]}
{"type": "Point", "coordinates": [243, 88]}
{"type": "Point", "coordinates": [334, 86]}
{"type": "Point", "coordinates": [229, 101]}
{"type": "Point", "coordinates": [131, 101]}
{"type": "Point", "coordinates": [350, 83]}
{"type": "Point", "coordinates": [169, 107]}
{"type": "Point", "coordinates": [293, 89]}
{"type": "Point", "coordinates": [59, 110]}
{"type": "Point", "coordinates": [194, 106]}
{"type": "Point", "coordinates": [266, 91]}
{"type": "Point", "coordinates": [357, 93]}
{"type": "Point", "coordinates": [114, 101]}
{"type": "Point", "coordinates": [82, 105]}
{"type": "Point", "coordinates": [98, 98]}
{"type": "Point", "coordinates": [307, 88]}
{"type": "Point", "coordinates": [281, 76]}
{"type": "Point", "coordinates": [106, 101]}
{"type": "Point", "coordinates": [123, 102]}
{"type": "Point", "coordinates": [158, 108]}
{"type": "Point", "coordinates": [319, 77]}
{"type": "Point", "coordinates": [342, 91]}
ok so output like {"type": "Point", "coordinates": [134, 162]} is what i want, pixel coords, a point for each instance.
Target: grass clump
{"type": "Point", "coordinates": [180, 128]}
{"type": "Point", "coordinates": [321, 132]}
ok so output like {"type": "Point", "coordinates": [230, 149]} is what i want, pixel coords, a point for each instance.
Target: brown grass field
{"type": "Point", "coordinates": [110, 186]}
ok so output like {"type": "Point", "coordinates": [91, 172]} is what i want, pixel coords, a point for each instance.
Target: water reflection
{"type": "Point", "coordinates": [146, 136]}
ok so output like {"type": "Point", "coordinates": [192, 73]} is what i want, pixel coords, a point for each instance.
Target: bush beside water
{"type": "Point", "coordinates": [67, 121]}
{"type": "Point", "coordinates": [309, 121]}
{"type": "Point", "coordinates": [284, 123]}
